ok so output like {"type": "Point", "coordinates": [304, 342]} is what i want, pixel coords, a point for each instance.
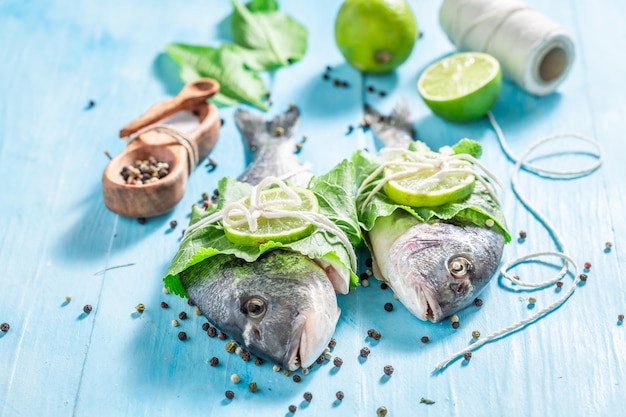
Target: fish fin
{"type": "Point", "coordinates": [253, 125]}
{"type": "Point", "coordinates": [395, 130]}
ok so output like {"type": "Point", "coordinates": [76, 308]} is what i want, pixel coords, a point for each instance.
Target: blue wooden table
{"type": "Point", "coordinates": [58, 238]}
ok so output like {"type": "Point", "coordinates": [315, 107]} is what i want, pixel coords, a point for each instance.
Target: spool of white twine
{"type": "Point", "coordinates": [534, 51]}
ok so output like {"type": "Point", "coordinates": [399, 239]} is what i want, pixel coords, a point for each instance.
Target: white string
{"type": "Point", "coordinates": [562, 253]}
{"type": "Point", "coordinates": [441, 163]}
{"type": "Point", "coordinates": [235, 214]}
{"type": "Point", "coordinates": [183, 138]}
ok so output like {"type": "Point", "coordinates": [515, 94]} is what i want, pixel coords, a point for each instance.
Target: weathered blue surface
{"type": "Point", "coordinates": [56, 56]}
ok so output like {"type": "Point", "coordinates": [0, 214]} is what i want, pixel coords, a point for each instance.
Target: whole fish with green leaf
{"type": "Point", "coordinates": [263, 265]}
{"type": "Point", "coordinates": [433, 220]}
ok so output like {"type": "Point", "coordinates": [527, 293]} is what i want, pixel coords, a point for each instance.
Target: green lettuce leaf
{"type": "Point", "coordinates": [210, 240]}
{"type": "Point", "coordinates": [476, 209]}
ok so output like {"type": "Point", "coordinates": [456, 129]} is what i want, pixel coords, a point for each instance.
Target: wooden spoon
{"type": "Point", "coordinates": [148, 200]}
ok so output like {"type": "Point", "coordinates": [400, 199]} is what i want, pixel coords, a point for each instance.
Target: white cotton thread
{"type": "Point", "coordinates": [259, 209]}
{"type": "Point", "coordinates": [562, 253]}
{"type": "Point", "coordinates": [534, 51]}
{"type": "Point", "coordinates": [183, 138]}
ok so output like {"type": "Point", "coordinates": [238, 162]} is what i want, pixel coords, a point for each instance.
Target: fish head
{"type": "Point", "coordinates": [281, 307]}
{"type": "Point", "coordinates": [439, 268]}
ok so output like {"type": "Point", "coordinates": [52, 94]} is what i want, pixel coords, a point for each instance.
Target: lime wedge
{"type": "Point", "coordinates": [428, 187]}
{"type": "Point", "coordinates": [284, 229]}
{"type": "Point", "coordinates": [461, 87]}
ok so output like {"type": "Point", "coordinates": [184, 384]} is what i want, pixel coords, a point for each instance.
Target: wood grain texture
{"type": "Point", "coordinates": [59, 239]}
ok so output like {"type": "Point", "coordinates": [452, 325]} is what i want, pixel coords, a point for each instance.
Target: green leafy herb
{"type": "Point", "coordinates": [264, 39]}
{"type": "Point", "coordinates": [476, 209]}
{"type": "Point", "coordinates": [210, 240]}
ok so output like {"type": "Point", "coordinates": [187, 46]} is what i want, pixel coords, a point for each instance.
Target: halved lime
{"type": "Point", "coordinates": [428, 187]}
{"type": "Point", "coordinates": [461, 87]}
{"type": "Point", "coordinates": [285, 229]}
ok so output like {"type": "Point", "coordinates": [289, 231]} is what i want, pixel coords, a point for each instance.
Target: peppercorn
{"type": "Point", "coordinates": [583, 277]}
{"type": "Point", "coordinates": [175, 323]}
{"type": "Point", "coordinates": [87, 308]}
{"type": "Point", "coordinates": [213, 164]}
{"type": "Point", "coordinates": [388, 369]}
{"type": "Point", "coordinates": [365, 282]}
{"type": "Point", "coordinates": [467, 355]}
{"type": "Point", "coordinates": [454, 318]}
{"type": "Point", "coordinates": [478, 302]}
{"type": "Point", "coordinates": [532, 300]}
{"type": "Point", "coordinates": [522, 234]}
{"type": "Point", "coordinates": [383, 286]}
{"type": "Point", "coordinates": [608, 246]}
{"type": "Point", "coordinates": [489, 223]}
{"type": "Point", "coordinates": [456, 325]}
{"type": "Point", "coordinates": [276, 368]}
{"type": "Point", "coordinates": [196, 310]}
{"type": "Point", "coordinates": [292, 408]}
{"type": "Point", "coordinates": [370, 89]}
{"type": "Point", "coordinates": [620, 317]}
{"type": "Point", "coordinates": [222, 122]}
{"type": "Point", "coordinates": [475, 334]}
{"type": "Point", "coordinates": [320, 360]}
{"type": "Point", "coordinates": [350, 129]}
{"type": "Point", "coordinates": [164, 304]}
{"type": "Point", "coordinates": [298, 147]}
{"type": "Point", "coordinates": [365, 352]}
{"type": "Point", "coordinates": [587, 265]}
{"type": "Point", "coordinates": [182, 336]}
{"type": "Point", "coordinates": [559, 284]}
{"type": "Point", "coordinates": [381, 412]}
{"type": "Point", "coordinates": [388, 307]}
{"type": "Point", "coordinates": [332, 343]}
{"type": "Point", "coordinates": [229, 394]}
{"type": "Point", "coordinates": [140, 308]}
{"type": "Point", "coordinates": [326, 77]}
{"type": "Point", "coordinates": [382, 93]}
{"type": "Point", "coordinates": [308, 397]}
{"type": "Point", "coordinates": [205, 326]}
{"type": "Point", "coordinates": [68, 298]}
{"type": "Point", "coordinates": [245, 356]}
{"type": "Point", "coordinates": [4, 327]}
{"type": "Point", "coordinates": [214, 361]}
{"type": "Point", "coordinates": [235, 378]}
{"type": "Point", "coordinates": [425, 339]}
{"type": "Point", "coordinates": [141, 220]}
{"type": "Point", "coordinates": [426, 401]}
{"type": "Point", "coordinates": [363, 276]}
{"type": "Point", "coordinates": [230, 346]}
{"type": "Point", "coordinates": [280, 131]}
{"type": "Point", "coordinates": [211, 332]}
{"type": "Point", "coordinates": [339, 395]}
{"type": "Point", "coordinates": [253, 387]}
{"type": "Point", "coordinates": [376, 335]}
{"type": "Point", "coordinates": [338, 362]}
{"type": "Point", "coordinates": [90, 105]}
{"type": "Point", "coordinates": [297, 378]}
{"type": "Point", "coordinates": [258, 361]}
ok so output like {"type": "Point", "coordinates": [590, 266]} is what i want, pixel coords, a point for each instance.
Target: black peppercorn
{"type": "Point", "coordinates": [365, 352]}
{"type": "Point", "coordinates": [182, 315]}
{"type": "Point", "coordinates": [4, 327]}
{"type": "Point", "coordinates": [425, 339]}
{"type": "Point", "coordinates": [211, 332]}
{"type": "Point", "coordinates": [182, 336]}
{"type": "Point", "coordinates": [332, 343]}
{"type": "Point", "coordinates": [222, 336]}
{"type": "Point", "coordinates": [339, 395]}
{"type": "Point", "coordinates": [229, 394]}
{"type": "Point", "coordinates": [308, 397]}
{"type": "Point", "coordinates": [338, 362]}
{"type": "Point", "coordinates": [388, 369]}
{"type": "Point", "coordinates": [87, 308]}
{"type": "Point", "coordinates": [214, 361]}
{"type": "Point", "coordinates": [292, 408]}
{"type": "Point", "coordinates": [205, 326]}
{"type": "Point", "coordinates": [383, 286]}
{"type": "Point", "coordinates": [388, 307]}
{"type": "Point", "coordinates": [478, 302]}
{"type": "Point", "coordinates": [297, 378]}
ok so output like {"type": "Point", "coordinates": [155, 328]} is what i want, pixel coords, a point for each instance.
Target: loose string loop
{"type": "Point", "coordinates": [235, 214]}
{"type": "Point", "coordinates": [520, 163]}
{"type": "Point", "coordinates": [182, 137]}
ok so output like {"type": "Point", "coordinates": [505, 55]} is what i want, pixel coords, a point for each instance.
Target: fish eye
{"type": "Point", "coordinates": [254, 307]}
{"type": "Point", "coordinates": [459, 267]}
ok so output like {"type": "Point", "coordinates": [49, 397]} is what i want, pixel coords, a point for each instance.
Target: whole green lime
{"type": "Point", "coordinates": [375, 35]}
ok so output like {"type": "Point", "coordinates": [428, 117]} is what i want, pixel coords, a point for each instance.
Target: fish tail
{"type": "Point", "coordinates": [252, 126]}
{"type": "Point", "coordinates": [393, 130]}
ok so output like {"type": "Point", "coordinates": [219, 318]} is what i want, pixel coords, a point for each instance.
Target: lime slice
{"type": "Point", "coordinates": [422, 189]}
{"type": "Point", "coordinates": [284, 229]}
{"type": "Point", "coordinates": [461, 87]}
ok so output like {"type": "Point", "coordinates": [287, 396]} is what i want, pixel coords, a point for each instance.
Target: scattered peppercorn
{"type": "Point", "coordinates": [381, 412]}
{"type": "Point", "coordinates": [68, 298]}
{"type": "Point", "coordinates": [258, 361]}
{"type": "Point", "coordinates": [326, 77]}
{"type": "Point", "coordinates": [522, 234]}
{"type": "Point", "coordinates": [475, 334]}
{"type": "Point", "coordinates": [182, 336]}
{"type": "Point", "coordinates": [90, 105]}
{"type": "Point", "coordinates": [235, 378]}
{"type": "Point", "coordinates": [608, 246]}
{"type": "Point", "coordinates": [365, 352]}
{"type": "Point", "coordinates": [532, 300]}
{"type": "Point", "coordinates": [229, 394]}
{"type": "Point", "coordinates": [297, 378]}
{"type": "Point", "coordinates": [559, 284]}
{"type": "Point", "coordinates": [141, 220]}
{"type": "Point", "coordinates": [583, 277]}
{"type": "Point", "coordinates": [425, 339]}
{"type": "Point", "coordinates": [245, 356]}
{"type": "Point", "coordinates": [426, 401]}
{"type": "Point", "coordinates": [276, 368]}
{"type": "Point", "coordinates": [298, 147]}
{"type": "Point", "coordinates": [292, 408]}
{"type": "Point", "coordinates": [211, 332]}
{"type": "Point", "coordinates": [214, 361]}
{"type": "Point", "coordinates": [370, 88]}
{"type": "Point", "coordinates": [230, 346]}
{"type": "Point", "coordinates": [467, 356]}
{"type": "Point", "coordinates": [197, 311]}
{"type": "Point", "coordinates": [4, 327]}
{"type": "Point", "coordinates": [365, 282]}
{"type": "Point", "coordinates": [620, 317]}
{"type": "Point", "coordinates": [320, 360]}
{"type": "Point", "coordinates": [368, 262]}
{"type": "Point", "coordinates": [87, 308]}
{"type": "Point", "coordinates": [212, 163]}
{"type": "Point", "coordinates": [279, 131]}
{"type": "Point", "coordinates": [308, 397]}
{"type": "Point", "coordinates": [350, 129]}
{"type": "Point", "coordinates": [205, 326]}
{"type": "Point", "coordinates": [383, 286]}
{"type": "Point", "coordinates": [140, 308]}
{"type": "Point", "coordinates": [363, 276]}
{"type": "Point", "coordinates": [339, 395]}
{"type": "Point", "coordinates": [338, 362]}
{"type": "Point", "coordinates": [182, 315]}
{"type": "Point", "coordinates": [388, 307]}
{"type": "Point", "coordinates": [222, 122]}
{"type": "Point", "coordinates": [332, 343]}
{"type": "Point", "coordinates": [175, 323]}
{"type": "Point", "coordinates": [478, 302]}
{"type": "Point", "coordinates": [376, 335]}
{"type": "Point", "coordinates": [456, 325]}
{"type": "Point", "coordinates": [253, 387]}
{"type": "Point", "coordinates": [382, 93]}
{"type": "Point", "coordinates": [146, 171]}
{"type": "Point", "coordinates": [388, 369]}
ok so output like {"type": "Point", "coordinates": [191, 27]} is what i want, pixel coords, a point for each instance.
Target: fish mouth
{"type": "Point", "coordinates": [310, 334]}
{"type": "Point", "coordinates": [430, 308]}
